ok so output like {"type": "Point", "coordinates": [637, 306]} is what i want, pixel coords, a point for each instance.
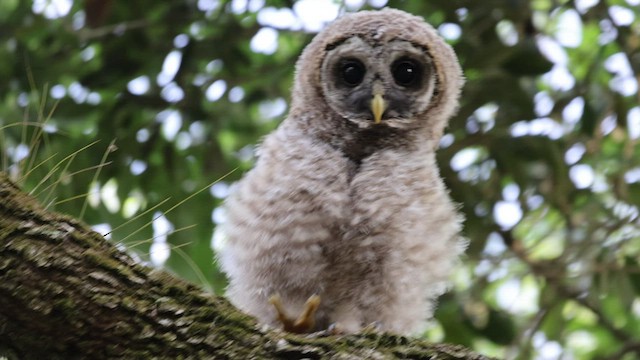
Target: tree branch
{"type": "Point", "coordinates": [65, 292]}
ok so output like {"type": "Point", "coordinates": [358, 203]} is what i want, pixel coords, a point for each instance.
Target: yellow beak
{"type": "Point", "coordinates": [378, 106]}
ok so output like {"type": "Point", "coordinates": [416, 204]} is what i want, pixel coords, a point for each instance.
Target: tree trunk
{"type": "Point", "coordinates": [67, 293]}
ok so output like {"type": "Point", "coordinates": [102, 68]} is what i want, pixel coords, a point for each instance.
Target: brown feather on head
{"type": "Point", "coordinates": [373, 29]}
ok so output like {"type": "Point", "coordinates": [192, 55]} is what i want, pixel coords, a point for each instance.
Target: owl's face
{"type": "Point", "coordinates": [378, 84]}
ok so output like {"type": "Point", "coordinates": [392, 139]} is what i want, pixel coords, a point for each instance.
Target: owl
{"type": "Point", "coordinates": [344, 219]}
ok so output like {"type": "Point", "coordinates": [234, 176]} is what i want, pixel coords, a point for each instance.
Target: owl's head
{"type": "Point", "coordinates": [380, 69]}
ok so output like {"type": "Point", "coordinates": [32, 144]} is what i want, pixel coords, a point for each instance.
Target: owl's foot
{"type": "Point", "coordinates": [307, 319]}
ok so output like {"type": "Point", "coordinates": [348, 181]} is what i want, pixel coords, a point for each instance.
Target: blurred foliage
{"type": "Point", "coordinates": [125, 112]}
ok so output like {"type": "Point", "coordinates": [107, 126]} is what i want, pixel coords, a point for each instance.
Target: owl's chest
{"type": "Point", "coordinates": [380, 188]}
{"type": "Point", "coordinates": [374, 197]}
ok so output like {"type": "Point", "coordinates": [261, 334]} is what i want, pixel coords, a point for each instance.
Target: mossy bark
{"type": "Point", "coordinates": [66, 293]}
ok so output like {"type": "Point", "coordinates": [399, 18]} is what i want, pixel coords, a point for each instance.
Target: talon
{"type": "Point", "coordinates": [305, 322]}
{"type": "Point", "coordinates": [276, 301]}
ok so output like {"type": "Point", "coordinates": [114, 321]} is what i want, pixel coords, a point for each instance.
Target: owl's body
{"type": "Point", "coordinates": [343, 205]}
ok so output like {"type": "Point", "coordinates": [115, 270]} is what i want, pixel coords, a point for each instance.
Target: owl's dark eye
{"type": "Point", "coordinates": [352, 72]}
{"type": "Point", "coordinates": [406, 72]}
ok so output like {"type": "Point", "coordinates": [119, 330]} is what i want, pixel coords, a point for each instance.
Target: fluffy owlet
{"type": "Point", "coordinates": [344, 219]}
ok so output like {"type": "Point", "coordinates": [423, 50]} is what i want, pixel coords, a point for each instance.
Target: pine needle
{"type": "Point", "coordinates": [57, 166]}
{"type": "Point", "coordinates": [111, 148]}
{"type": "Point", "coordinates": [181, 202]}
